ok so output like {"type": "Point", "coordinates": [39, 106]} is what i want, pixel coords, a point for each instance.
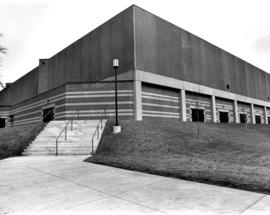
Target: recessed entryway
{"type": "Point", "coordinates": [197, 115]}
{"type": "Point", "coordinates": [48, 114]}
{"type": "Point", "coordinates": [223, 117]}
{"type": "Point", "coordinates": [243, 118]}
{"type": "Point", "coordinates": [2, 122]}
{"type": "Point", "coordinates": [258, 119]}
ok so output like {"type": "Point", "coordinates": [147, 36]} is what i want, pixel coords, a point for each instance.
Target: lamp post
{"type": "Point", "coordinates": [116, 127]}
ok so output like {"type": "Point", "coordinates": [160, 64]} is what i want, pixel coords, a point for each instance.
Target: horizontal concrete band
{"type": "Point", "coordinates": [94, 115]}
{"type": "Point", "coordinates": [60, 97]}
{"type": "Point", "coordinates": [155, 103]}
{"type": "Point", "coordinates": [179, 84]}
{"type": "Point", "coordinates": [148, 106]}
{"type": "Point", "coordinates": [69, 100]}
{"type": "Point", "coordinates": [63, 96]}
{"type": "Point", "coordinates": [160, 115]}
{"type": "Point", "coordinates": [4, 114]}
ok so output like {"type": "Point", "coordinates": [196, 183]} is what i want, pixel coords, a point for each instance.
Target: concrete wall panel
{"type": "Point", "coordinates": [163, 48]}
{"type": "Point", "coordinates": [259, 111]}
{"type": "Point", "coordinates": [245, 109]}
{"type": "Point", "coordinates": [160, 102]}
{"type": "Point", "coordinates": [226, 106]}
{"type": "Point", "coordinates": [198, 101]}
{"type": "Point", "coordinates": [88, 59]}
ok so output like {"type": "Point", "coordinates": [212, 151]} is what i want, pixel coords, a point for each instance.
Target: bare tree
{"type": "Point", "coordinates": [3, 50]}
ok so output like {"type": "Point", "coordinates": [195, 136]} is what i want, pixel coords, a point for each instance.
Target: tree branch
{"type": "Point", "coordinates": [3, 50]}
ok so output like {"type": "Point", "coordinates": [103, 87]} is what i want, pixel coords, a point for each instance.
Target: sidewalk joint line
{"type": "Point", "coordinates": [91, 188]}
{"type": "Point", "coordinates": [248, 207]}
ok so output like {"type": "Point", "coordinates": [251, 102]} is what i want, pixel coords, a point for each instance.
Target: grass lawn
{"type": "Point", "coordinates": [222, 154]}
{"type": "Point", "coordinates": [13, 140]}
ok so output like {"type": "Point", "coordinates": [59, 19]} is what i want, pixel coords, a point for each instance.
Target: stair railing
{"type": "Point", "coordinates": [65, 129]}
{"type": "Point", "coordinates": [97, 132]}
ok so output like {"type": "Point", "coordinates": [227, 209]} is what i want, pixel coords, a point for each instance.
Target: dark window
{"type": "Point", "coordinates": [228, 86]}
{"type": "Point", "coordinates": [11, 120]}
{"type": "Point", "coordinates": [197, 115]}
{"type": "Point", "coordinates": [268, 119]}
{"type": "Point", "coordinates": [258, 119]}
{"type": "Point", "coordinates": [2, 122]}
{"type": "Point", "coordinates": [48, 114]}
{"type": "Point", "coordinates": [223, 117]}
{"type": "Point", "coordinates": [243, 118]}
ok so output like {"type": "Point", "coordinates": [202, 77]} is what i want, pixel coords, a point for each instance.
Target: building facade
{"type": "Point", "coordinates": [164, 71]}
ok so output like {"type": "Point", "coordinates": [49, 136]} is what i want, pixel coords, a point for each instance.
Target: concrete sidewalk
{"type": "Point", "coordinates": [67, 185]}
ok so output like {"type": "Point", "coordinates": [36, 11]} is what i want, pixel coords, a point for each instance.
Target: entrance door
{"type": "Point", "coordinates": [2, 122]}
{"type": "Point", "coordinates": [258, 119]}
{"type": "Point", "coordinates": [243, 118]}
{"type": "Point", "coordinates": [197, 115]}
{"type": "Point", "coordinates": [48, 114]}
{"type": "Point", "coordinates": [224, 117]}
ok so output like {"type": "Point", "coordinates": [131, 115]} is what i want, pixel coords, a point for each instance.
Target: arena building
{"type": "Point", "coordinates": [164, 71]}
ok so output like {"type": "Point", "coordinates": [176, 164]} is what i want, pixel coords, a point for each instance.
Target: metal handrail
{"type": "Point", "coordinates": [65, 129]}
{"type": "Point", "coordinates": [96, 133]}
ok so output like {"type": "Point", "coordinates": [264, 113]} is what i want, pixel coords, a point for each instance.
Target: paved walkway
{"type": "Point", "coordinates": [67, 185]}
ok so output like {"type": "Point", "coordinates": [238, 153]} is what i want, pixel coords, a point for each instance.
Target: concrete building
{"type": "Point", "coordinates": [164, 71]}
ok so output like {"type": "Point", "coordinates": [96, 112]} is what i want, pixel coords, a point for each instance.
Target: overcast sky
{"type": "Point", "coordinates": [36, 29]}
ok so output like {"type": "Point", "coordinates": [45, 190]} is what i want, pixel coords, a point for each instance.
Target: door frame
{"type": "Point", "coordinates": [48, 106]}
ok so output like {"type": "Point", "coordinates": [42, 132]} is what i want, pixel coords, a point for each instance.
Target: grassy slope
{"type": "Point", "coordinates": [13, 140]}
{"type": "Point", "coordinates": [224, 154]}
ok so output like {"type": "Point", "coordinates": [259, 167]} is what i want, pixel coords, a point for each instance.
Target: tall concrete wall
{"type": "Point", "coordinates": [141, 41]}
{"type": "Point", "coordinates": [165, 49]}
{"type": "Point", "coordinates": [89, 59]}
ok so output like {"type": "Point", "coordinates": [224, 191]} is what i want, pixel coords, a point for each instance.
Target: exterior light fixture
{"type": "Point", "coordinates": [115, 63]}
{"type": "Point", "coordinates": [116, 127]}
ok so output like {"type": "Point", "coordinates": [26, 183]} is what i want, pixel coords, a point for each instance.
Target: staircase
{"type": "Point", "coordinates": [78, 141]}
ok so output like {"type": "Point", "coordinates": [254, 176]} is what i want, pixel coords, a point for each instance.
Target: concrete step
{"type": "Point", "coordinates": [77, 151]}
{"type": "Point", "coordinates": [74, 131]}
{"type": "Point", "coordinates": [82, 141]}
{"type": "Point", "coordinates": [69, 130]}
{"type": "Point", "coordinates": [79, 140]}
{"type": "Point", "coordinates": [59, 146]}
{"type": "Point", "coordinates": [76, 148]}
{"type": "Point", "coordinates": [68, 141]}
{"type": "Point", "coordinates": [53, 153]}
{"type": "Point", "coordinates": [48, 135]}
{"type": "Point", "coordinates": [75, 143]}
{"type": "Point", "coordinates": [34, 148]}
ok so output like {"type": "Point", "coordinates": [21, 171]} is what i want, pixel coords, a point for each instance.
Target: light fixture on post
{"type": "Point", "coordinates": [116, 127]}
